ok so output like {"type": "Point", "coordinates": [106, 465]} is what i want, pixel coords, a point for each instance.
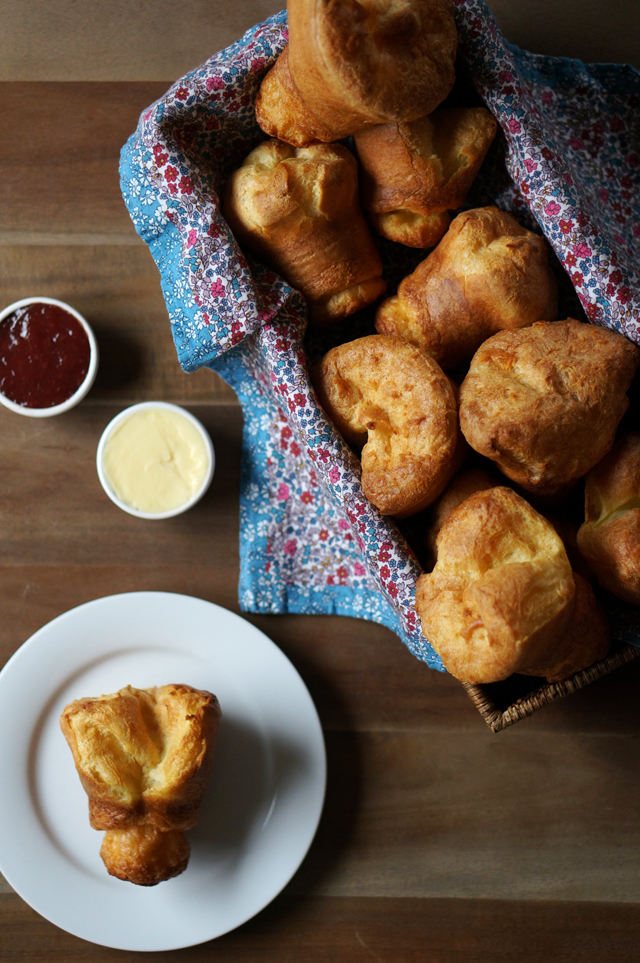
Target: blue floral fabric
{"type": "Point", "coordinates": [309, 539]}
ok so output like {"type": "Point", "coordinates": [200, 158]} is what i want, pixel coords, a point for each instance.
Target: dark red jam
{"type": "Point", "coordinates": [44, 355]}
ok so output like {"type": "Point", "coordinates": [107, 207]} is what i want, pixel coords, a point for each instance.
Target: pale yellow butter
{"type": "Point", "coordinates": [155, 460]}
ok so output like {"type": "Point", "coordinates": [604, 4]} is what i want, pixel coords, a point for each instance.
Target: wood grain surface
{"type": "Point", "coordinates": [95, 40]}
{"type": "Point", "coordinates": [440, 841]}
{"type": "Point", "coordinates": [330, 930]}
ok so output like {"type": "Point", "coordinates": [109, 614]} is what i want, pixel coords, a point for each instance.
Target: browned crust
{"type": "Point", "coordinates": [487, 274]}
{"type": "Point", "coordinates": [120, 733]}
{"type": "Point", "coordinates": [544, 402]}
{"type": "Point", "coordinates": [144, 855]}
{"type": "Point", "coordinates": [144, 758]}
{"type": "Point", "coordinates": [412, 230]}
{"type": "Point", "coordinates": [297, 209]}
{"type": "Point", "coordinates": [501, 593]}
{"type": "Point", "coordinates": [467, 482]}
{"type": "Point", "coordinates": [281, 112]}
{"type": "Point", "coordinates": [357, 64]}
{"type": "Point", "coordinates": [394, 399]}
{"type": "Point", "coordinates": [425, 165]}
{"type": "Point", "coordinates": [586, 639]}
{"type": "Point", "coordinates": [609, 539]}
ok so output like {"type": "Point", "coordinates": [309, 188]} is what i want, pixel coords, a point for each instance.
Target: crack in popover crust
{"type": "Point", "coordinates": [392, 397]}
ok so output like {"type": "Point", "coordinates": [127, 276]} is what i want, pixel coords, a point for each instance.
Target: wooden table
{"type": "Point", "coordinates": [440, 841]}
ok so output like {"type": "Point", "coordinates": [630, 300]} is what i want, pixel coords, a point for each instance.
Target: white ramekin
{"type": "Point", "coordinates": [173, 511]}
{"type": "Point", "coordinates": [90, 376]}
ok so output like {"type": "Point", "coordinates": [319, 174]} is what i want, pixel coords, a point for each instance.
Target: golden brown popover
{"type": "Point", "coordinates": [371, 62]}
{"type": "Point", "coordinates": [586, 639]}
{"type": "Point", "coordinates": [297, 209]}
{"type": "Point", "coordinates": [412, 229]}
{"type": "Point", "coordinates": [544, 402]}
{"type": "Point", "coordinates": [144, 758]}
{"type": "Point", "coordinates": [415, 171]}
{"type": "Point", "coordinates": [609, 539]}
{"type": "Point", "coordinates": [391, 397]}
{"type": "Point", "coordinates": [144, 854]}
{"type": "Point", "coordinates": [282, 113]}
{"type": "Point", "coordinates": [487, 273]}
{"type": "Point", "coordinates": [476, 478]}
{"type": "Point", "coordinates": [467, 482]}
{"type": "Point", "coordinates": [501, 593]}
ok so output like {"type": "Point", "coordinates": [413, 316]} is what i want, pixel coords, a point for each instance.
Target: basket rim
{"type": "Point", "coordinates": [498, 720]}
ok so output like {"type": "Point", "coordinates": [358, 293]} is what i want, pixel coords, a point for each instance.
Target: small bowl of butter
{"type": "Point", "coordinates": [155, 460]}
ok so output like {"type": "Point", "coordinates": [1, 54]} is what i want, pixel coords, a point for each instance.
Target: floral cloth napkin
{"type": "Point", "coordinates": [569, 160]}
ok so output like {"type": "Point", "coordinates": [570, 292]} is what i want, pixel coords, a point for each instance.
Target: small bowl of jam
{"type": "Point", "coordinates": [48, 357]}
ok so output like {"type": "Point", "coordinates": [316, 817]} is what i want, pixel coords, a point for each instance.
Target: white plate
{"type": "Point", "coordinates": [260, 812]}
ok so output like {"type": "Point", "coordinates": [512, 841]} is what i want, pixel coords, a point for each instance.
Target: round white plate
{"type": "Point", "coordinates": [258, 816]}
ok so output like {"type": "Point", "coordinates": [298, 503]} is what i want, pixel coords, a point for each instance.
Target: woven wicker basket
{"type": "Point", "coordinates": [247, 325]}
{"type": "Point", "coordinates": [503, 703]}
